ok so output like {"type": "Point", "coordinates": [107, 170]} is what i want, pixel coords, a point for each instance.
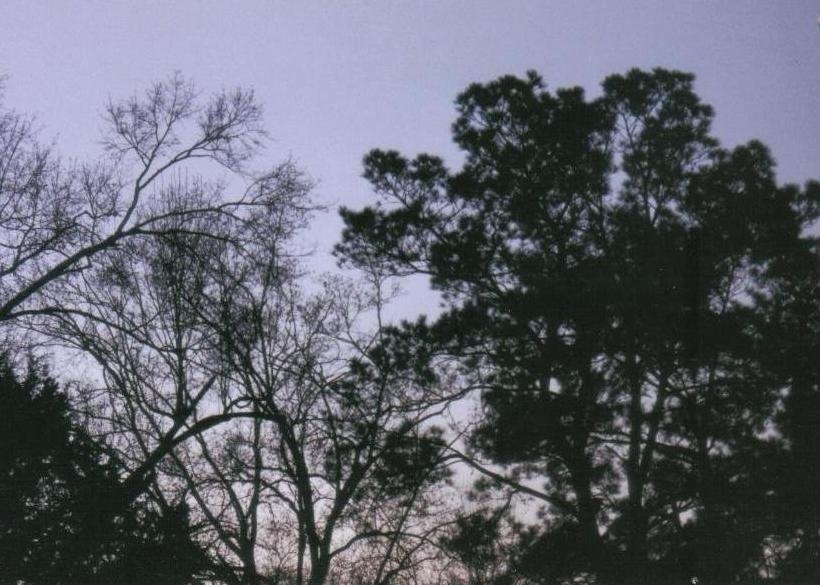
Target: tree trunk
{"type": "Point", "coordinates": [636, 549]}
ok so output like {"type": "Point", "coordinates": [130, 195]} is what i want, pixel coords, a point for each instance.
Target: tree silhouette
{"type": "Point", "coordinates": [606, 264]}
{"type": "Point", "coordinates": [298, 438]}
{"type": "Point", "coordinates": [58, 220]}
{"type": "Point", "coordinates": [62, 520]}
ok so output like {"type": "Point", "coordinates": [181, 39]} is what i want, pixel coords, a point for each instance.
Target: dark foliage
{"type": "Point", "coordinates": [640, 306]}
{"type": "Point", "coordinates": [62, 515]}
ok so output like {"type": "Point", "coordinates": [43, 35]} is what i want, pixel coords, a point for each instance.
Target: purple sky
{"type": "Point", "coordinates": [340, 78]}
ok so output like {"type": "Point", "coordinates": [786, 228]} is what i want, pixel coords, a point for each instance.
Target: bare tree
{"type": "Point", "coordinates": [56, 220]}
{"type": "Point", "coordinates": [347, 454]}
{"type": "Point", "coordinates": [297, 427]}
{"type": "Point", "coordinates": [294, 425]}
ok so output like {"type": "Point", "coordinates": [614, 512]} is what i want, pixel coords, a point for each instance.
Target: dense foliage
{"type": "Point", "coordinates": [634, 308]}
{"type": "Point", "coordinates": [640, 307]}
{"type": "Point", "coordinates": [63, 519]}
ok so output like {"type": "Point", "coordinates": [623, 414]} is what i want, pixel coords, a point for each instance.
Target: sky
{"type": "Point", "coordinates": [338, 78]}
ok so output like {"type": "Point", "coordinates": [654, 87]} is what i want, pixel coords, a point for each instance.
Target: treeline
{"type": "Point", "coordinates": [633, 308]}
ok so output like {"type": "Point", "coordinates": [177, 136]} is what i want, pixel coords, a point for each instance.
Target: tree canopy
{"type": "Point", "coordinates": [240, 429]}
{"type": "Point", "coordinates": [619, 284]}
{"type": "Point", "coordinates": [63, 520]}
{"type": "Point", "coordinates": [632, 307]}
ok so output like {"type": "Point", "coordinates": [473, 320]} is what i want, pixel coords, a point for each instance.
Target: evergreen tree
{"type": "Point", "coordinates": [606, 265]}
{"type": "Point", "coordinates": [62, 517]}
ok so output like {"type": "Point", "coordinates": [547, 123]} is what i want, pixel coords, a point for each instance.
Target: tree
{"type": "Point", "coordinates": [298, 437]}
{"type": "Point", "coordinates": [339, 454]}
{"type": "Point", "coordinates": [604, 262]}
{"type": "Point", "coordinates": [792, 318]}
{"type": "Point", "coordinates": [284, 428]}
{"type": "Point", "coordinates": [61, 522]}
{"type": "Point", "coordinates": [57, 220]}
{"type": "Point", "coordinates": [69, 232]}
